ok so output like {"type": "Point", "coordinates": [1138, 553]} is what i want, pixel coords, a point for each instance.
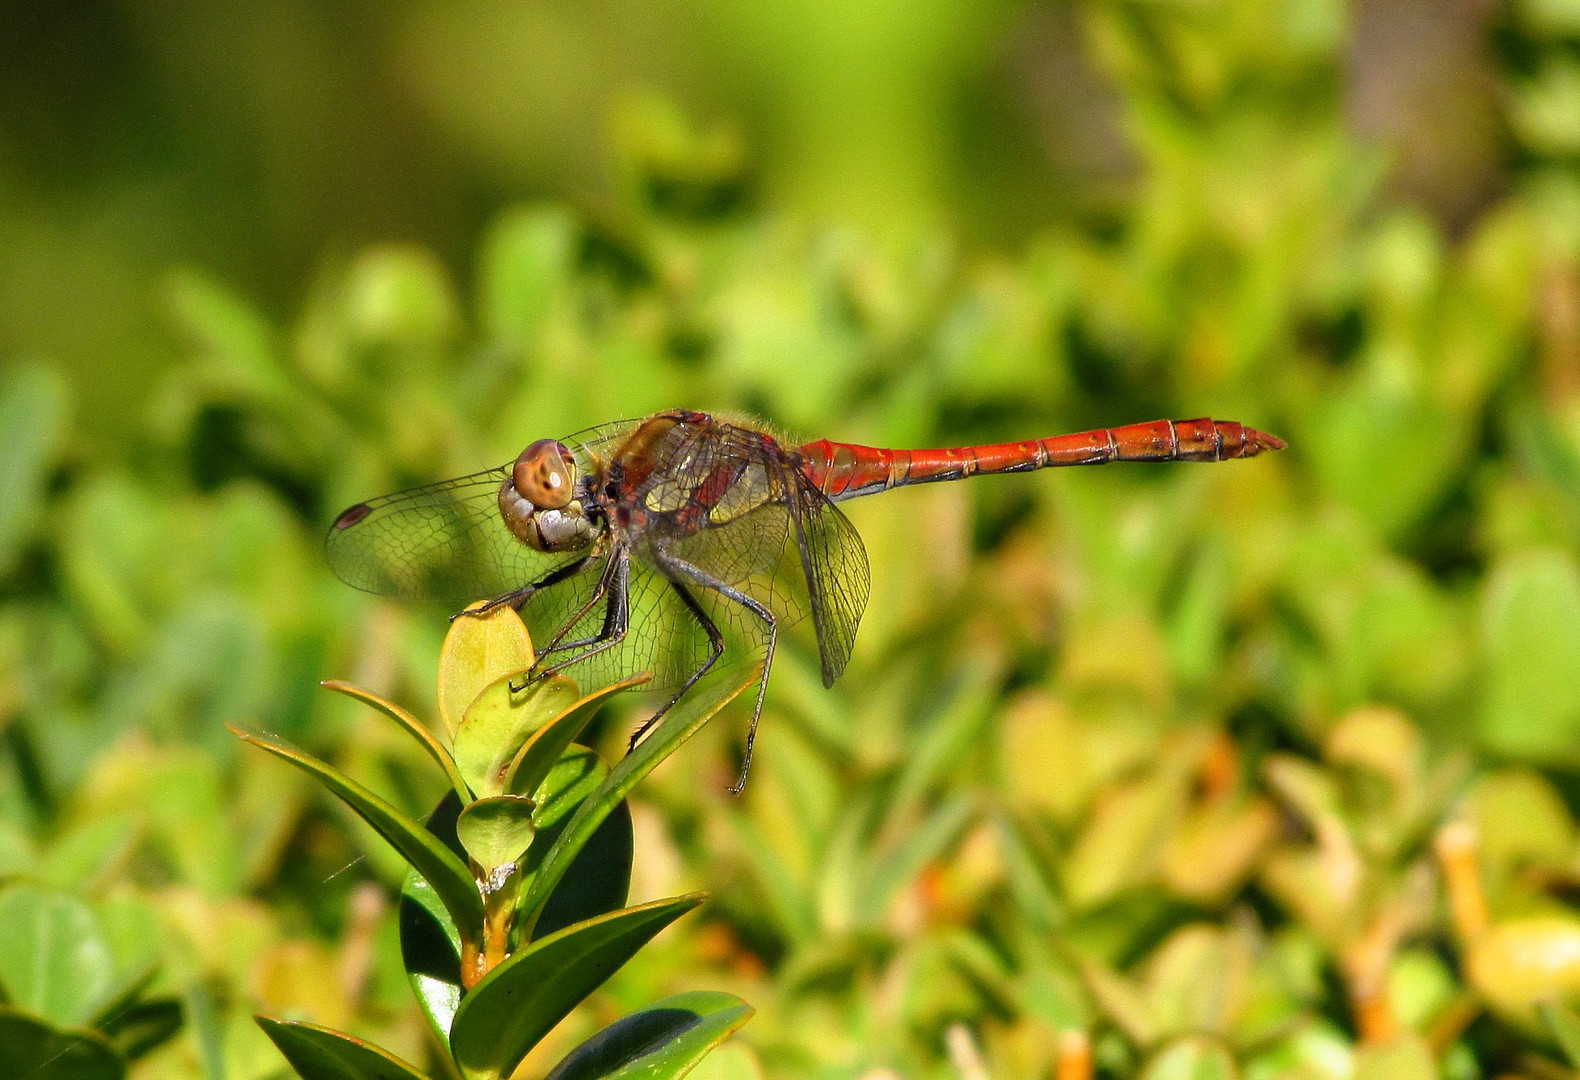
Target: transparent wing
{"type": "Point", "coordinates": [772, 534]}
{"type": "Point", "coordinates": [834, 561]}
{"type": "Point", "coordinates": [444, 541]}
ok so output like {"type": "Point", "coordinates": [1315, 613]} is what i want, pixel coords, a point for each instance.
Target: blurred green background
{"type": "Point", "coordinates": [260, 261]}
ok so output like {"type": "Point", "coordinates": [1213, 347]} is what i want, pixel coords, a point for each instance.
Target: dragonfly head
{"type": "Point", "coordinates": [538, 502]}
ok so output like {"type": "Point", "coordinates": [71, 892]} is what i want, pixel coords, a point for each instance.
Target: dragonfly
{"type": "Point", "coordinates": [662, 544]}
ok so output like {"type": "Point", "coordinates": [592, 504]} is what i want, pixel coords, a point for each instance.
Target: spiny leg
{"type": "Point", "coordinates": [516, 597]}
{"type": "Point", "coordinates": [715, 642]}
{"type": "Point", "coordinates": [616, 619]}
{"type": "Point", "coordinates": [674, 567]}
{"type": "Point", "coordinates": [558, 643]}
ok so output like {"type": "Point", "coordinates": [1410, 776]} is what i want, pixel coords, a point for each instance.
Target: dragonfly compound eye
{"type": "Point", "coordinates": [545, 475]}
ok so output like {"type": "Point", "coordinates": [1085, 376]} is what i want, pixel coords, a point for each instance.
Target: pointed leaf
{"type": "Point", "coordinates": [31, 1048]}
{"type": "Point", "coordinates": [684, 721]}
{"type": "Point", "coordinates": [600, 876]}
{"type": "Point", "coordinates": [54, 959]}
{"type": "Point", "coordinates": [496, 830]}
{"type": "Point", "coordinates": [138, 1028]}
{"type": "Point", "coordinates": [549, 742]}
{"type": "Point", "coordinates": [317, 1053]}
{"type": "Point", "coordinates": [430, 944]}
{"type": "Point", "coordinates": [661, 1042]}
{"type": "Point", "coordinates": [449, 877]}
{"type": "Point", "coordinates": [517, 1003]}
{"type": "Point", "coordinates": [478, 650]}
{"type": "Point", "coordinates": [430, 949]}
{"type": "Point", "coordinates": [499, 721]}
{"type": "Point", "coordinates": [416, 728]}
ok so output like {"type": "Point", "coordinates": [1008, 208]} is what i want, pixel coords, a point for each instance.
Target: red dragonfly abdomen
{"type": "Point", "coordinates": [845, 470]}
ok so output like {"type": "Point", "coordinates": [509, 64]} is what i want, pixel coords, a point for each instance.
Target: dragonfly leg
{"type": "Point", "coordinates": [715, 642]}
{"type": "Point", "coordinates": [516, 597]}
{"type": "Point", "coordinates": [558, 643]}
{"type": "Point", "coordinates": [674, 568]}
{"type": "Point", "coordinates": [616, 620]}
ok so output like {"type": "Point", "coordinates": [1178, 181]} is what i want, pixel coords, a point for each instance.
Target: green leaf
{"type": "Point", "coordinates": [1531, 705]}
{"type": "Point", "coordinates": [600, 876]}
{"type": "Point", "coordinates": [138, 1028]}
{"type": "Point", "coordinates": [661, 1042]}
{"type": "Point", "coordinates": [430, 944]}
{"type": "Point", "coordinates": [449, 876]}
{"type": "Point", "coordinates": [33, 415]}
{"type": "Point", "coordinates": [54, 959]}
{"type": "Point", "coordinates": [892, 871]}
{"type": "Point", "coordinates": [1192, 1057]}
{"type": "Point", "coordinates": [517, 1003]}
{"type": "Point", "coordinates": [416, 728]}
{"type": "Point", "coordinates": [498, 722]}
{"type": "Point", "coordinates": [496, 830]}
{"type": "Point", "coordinates": [548, 743]}
{"type": "Point", "coordinates": [478, 651]}
{"type": "Point", "coordinates": [1563, 1022]}
{"type": "Point", "coordinates": [684, 721]}
{"type": "Point", "coordinates": [31, 1048]}
{"type": "Point", "coordinates": [1406, 1057]}
{"type": "Point", "coordinates": [430, 950]}
{"type": "Point", "coordinates": [317, 1053]}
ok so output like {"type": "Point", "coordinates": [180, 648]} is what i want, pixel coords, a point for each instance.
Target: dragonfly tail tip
{"type": "Point", "coordinates": [1260, 441]}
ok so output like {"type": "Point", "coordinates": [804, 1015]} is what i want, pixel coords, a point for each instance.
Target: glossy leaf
{"type": "Point", "coordinates": [684, 721]}
{"type": "Point", "coordinates": [516, 1004]}
{"type": "Point", "coordinates": [317, 1053]}
{"type": "Point", "coordinates": [498, 722]}
{"type": "Point", "coordinates": [496, 830]}
{"type": "Point", "coordinates": [478, 651]}
{"type": "Point", "coordinates": [450, 878]}
{"type": "Point", "coordinates": [410, 724]}
{"type": "Point", "coordinates": [54, 959]}
{"type": "Point", "coordinates": [661, 1042]}
{"type": "Point", "coordinates": [31, 1048]}
{"type": "Point", "coordinates": [430, 943]}
{"type": "Point", "coordinates": [600, 875]}
{"type": "Point", "coordinates": [431, 952]}
{"type": "Point", "coordinates": [548, 743]}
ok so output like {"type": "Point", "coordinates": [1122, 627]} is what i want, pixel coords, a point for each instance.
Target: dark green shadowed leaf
{"type": "Point", "coordinates": [31, 1048]}
{"type": "Point", "coordinates": [684, 721]}
{"type": "Point", "coordinates": [600, 875]}
{"type": "Point", "coordinates": [661, 1042]}
{"type": "Point", "coordinates": [431, 951]}
{"type": "Point", "coordinates": [318, 1053]}
{"type": "Point", "coordinates": [139, 1028]}
{"type": "Point", "coordinates": [54, 959]}
{"type": "Point", "coordinates": [448, 875]}
{"type": "Point", "coordinates": [429, 942]}
{"type": "Point", "coordinates": [517, 1003]}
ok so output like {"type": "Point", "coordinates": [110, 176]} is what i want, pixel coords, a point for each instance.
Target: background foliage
{"type": "Point", "coordinates": [1111, 738]}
